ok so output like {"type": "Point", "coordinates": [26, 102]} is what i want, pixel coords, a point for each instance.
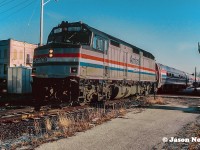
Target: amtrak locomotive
{"type": "Point", "coordinates": [80, 64]}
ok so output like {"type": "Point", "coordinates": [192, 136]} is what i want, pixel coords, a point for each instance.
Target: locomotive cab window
{"type": "Point", "coordinates": [57, 30]}
{"type": "Point", "coordinates": [74, 28]}
{"type": "Point", "coordinates": [99, 43]}
{"type": "Point", "coordinates": [70, 35]}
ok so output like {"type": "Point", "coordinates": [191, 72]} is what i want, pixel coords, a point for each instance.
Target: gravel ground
{"type": "Point", "coordinates": [135, 130]}
{"type": "Point", "coordinates": [190, 131]}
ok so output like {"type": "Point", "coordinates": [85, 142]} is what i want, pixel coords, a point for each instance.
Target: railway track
{"type": "Point", "coordinates": [25, 123]}
{"type": "Point", "coordinates": [10, 114]}
{"type": "Point", "coordinates": [26, 113]}
{"type": "Point", "coordinates": [176, 96]}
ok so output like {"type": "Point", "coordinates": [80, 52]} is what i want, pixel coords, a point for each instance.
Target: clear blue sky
{"type": "Point", "coordinates": [169, 29]}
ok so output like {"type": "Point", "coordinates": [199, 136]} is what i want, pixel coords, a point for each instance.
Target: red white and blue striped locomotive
{"type": "Point", "coordinates": [81, 64]}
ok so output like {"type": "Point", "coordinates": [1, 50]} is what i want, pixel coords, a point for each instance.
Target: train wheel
{"type": "Point", "coordinates": [82, 101]}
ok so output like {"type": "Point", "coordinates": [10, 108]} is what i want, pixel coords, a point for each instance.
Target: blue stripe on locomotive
{"type": "Point", "coordinates": [113, 68]}
{"type": "Point", "coordinates": [164, 77]}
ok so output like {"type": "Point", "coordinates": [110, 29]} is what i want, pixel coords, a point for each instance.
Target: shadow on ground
{"type": "Point", "coordinates": [192, 109]}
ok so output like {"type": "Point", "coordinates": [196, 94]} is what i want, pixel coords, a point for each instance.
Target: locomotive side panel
{"type": "Point", "coordinates": [146, 65]}
{"type": "Point", "coordinates": [123, 63]}
{"type": "Point", "coordinates": [115, 66]}
{"type": "Point", "coordinates": [133, 66]}
{"type": "Point", "coordinates": [149, 69]}
{"type": "Point", "coordinates": [141, 71]}
{"type": "Point", "coordinates": [91, 64]}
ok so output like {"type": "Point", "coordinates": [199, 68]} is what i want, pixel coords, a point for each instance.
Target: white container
{"type": "Point", "coordinates": [19, 80]}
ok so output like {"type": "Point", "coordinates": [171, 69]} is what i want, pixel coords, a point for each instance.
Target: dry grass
{"type": "Point", "coordinates": [64, 122]}
{"type": "Point", "coordinates": [122, 111]}
{"type": "Point", "coordinates": [194, 146]}
{"type": "Point", "coordinates": [48, 124]}
{"type": "Point", "coordinates": [37, 127]}
{"type": "Point", "coordinates": [157, 100]}
{"type": "Point", "coordinates": [67, 125]}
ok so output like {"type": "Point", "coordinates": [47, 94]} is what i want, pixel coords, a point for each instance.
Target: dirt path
{"type": "Point", "coordinates": [134, 131]}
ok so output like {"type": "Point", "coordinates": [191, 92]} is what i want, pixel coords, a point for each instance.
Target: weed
{"type": "Point", "coordinates": [157, 100]}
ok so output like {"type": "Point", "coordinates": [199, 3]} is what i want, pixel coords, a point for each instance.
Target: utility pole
{"type": "Point", "coordinates": [195, 83]}
{"type": "Point", "coordinates": [41, 22]}
{"type": "Point", "coordinates": [195, 74]}
{"type": "Point", "coordinates": [41, 19]}
{"type": "Point", "coordinates": [198, 47]}
{"type": "Point", "coordinates": [24, 53]}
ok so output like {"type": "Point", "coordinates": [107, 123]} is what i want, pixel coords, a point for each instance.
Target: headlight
{"type": "Point", "coordinates": [50, 55]}
{"type": "Point", "coordinates": [51, 51]}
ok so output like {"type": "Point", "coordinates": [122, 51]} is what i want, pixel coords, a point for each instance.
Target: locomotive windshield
{"type": "Point", "coordinates": [70, 34]}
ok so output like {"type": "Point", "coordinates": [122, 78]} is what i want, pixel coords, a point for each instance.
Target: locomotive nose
{"type": "Point", "coordinates": [56, 61]}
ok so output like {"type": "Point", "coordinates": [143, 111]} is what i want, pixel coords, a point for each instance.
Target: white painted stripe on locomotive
{"type": "Point", "coordinates": [91, 61]}
{"type": "Point", "coordinates": [61, 59]}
